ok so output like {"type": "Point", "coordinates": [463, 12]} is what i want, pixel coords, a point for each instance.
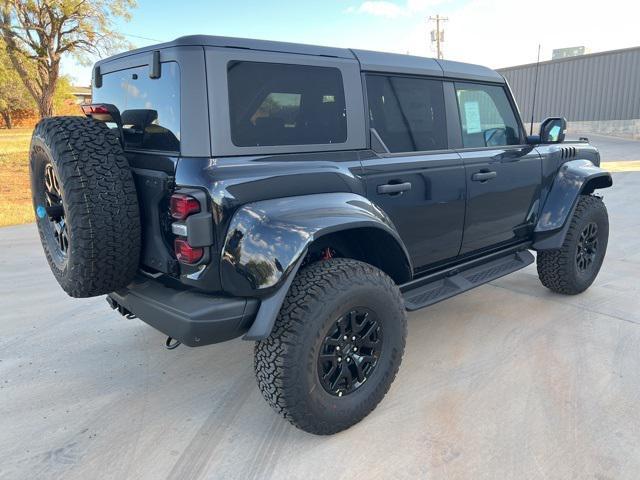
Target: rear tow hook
{"type": "Point", "coordinates": [172, 343]}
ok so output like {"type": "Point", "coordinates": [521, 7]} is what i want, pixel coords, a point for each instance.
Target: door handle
{"type": "Point", "coordinates": [483, 176]}
{"type": "Point", "coordinates": [391, 188]}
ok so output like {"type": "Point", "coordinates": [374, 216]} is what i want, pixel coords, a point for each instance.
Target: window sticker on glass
{"type": "Point", "coordinates": [472, 117]}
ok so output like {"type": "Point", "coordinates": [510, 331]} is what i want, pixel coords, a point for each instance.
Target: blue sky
{"type": "Point", "coordinates": [496, 33]}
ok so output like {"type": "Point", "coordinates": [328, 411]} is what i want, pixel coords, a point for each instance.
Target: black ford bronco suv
{"type": "Point", "coordinates": [304, 198]}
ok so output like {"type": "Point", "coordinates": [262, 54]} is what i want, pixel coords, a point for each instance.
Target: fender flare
{"type": "Point", "coordinates": [574, 178]}
{"type": "Point", "coordinates": [267, 241]}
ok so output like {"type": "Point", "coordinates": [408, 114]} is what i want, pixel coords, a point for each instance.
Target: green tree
{"type": "Point", "coordinates": [42, 31]}
{"type": "Point", "coordinates": [62, 93]}
{"type": "Point", "coordinates": [13, 95]}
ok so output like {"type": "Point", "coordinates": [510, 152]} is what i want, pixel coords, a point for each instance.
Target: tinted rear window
{"type": "Point", "coordinates": [282, 104]}
{"type": "Point", "coordinates": [150, 108]}
{"type": "Point", "coordinates": [408, 113]}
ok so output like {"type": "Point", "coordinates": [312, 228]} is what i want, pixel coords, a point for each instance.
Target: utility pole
{"type": "Point", "coordinates": [437, 35]}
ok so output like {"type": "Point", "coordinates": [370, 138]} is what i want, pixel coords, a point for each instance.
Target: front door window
{"type": "Point", "coordinates": [487, 118]}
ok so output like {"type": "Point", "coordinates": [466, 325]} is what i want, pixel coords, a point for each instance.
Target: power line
{"type": "Point", "coordinates": [142, 38]}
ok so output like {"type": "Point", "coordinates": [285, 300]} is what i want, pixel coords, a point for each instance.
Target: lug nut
{"type": "Point", "coordinates": [339, 359]}
{"type": "Point", "coordinates": [338, 348]}
{"type": "Point", "coordinates": [345, 337]}
{"type": "Point", "coordinates": [355, 349]}
{"type": "Point", "coordinates": [353, 338]}
{"type": "Point", "coordinates": [348, 359]}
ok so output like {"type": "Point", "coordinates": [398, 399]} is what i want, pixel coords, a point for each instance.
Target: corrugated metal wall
{"type": "Point", "coordinates": [599, 86]}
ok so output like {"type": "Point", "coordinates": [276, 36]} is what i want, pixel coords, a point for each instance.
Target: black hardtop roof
{"type": "Point", "coordinates": [369, 60]}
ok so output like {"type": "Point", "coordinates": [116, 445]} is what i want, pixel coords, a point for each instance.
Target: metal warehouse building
{"type": "Point", "coordinates": [596, 93]}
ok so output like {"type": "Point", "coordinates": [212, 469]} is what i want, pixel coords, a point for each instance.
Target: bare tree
{"type": "Point", "coordinates": [40, 32]}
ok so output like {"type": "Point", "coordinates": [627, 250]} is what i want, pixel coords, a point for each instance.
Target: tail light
{"type": "Point", "coordinates": [185, 253]}
{"type": "Point", "coordinates": [192, 227]}
{"type": "Point", "coordinates": [181, 206]}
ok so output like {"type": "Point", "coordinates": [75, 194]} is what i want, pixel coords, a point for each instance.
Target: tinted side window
{"type": "Point", "coordinates": [150, 108]}
{"type": "Point", "coordinates": [408, 113]}
{"type": "Point", "coordinates": [282, 104]}
{"type": "Point", "coordinates": [486, 115]}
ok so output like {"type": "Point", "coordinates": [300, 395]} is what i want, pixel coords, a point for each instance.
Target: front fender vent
{"type": "Point", "coordinates": [568, 152]}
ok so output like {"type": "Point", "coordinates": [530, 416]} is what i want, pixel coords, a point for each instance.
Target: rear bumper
{"type": "Point", "coordinates": [193, 318]}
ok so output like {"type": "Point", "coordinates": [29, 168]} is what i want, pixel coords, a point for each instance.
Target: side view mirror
{"type": "Point", "coordinates": [552, 130]}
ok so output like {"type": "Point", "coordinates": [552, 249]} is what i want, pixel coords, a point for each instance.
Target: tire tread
{"type": "Point", "coordinates": [101, 205]}
{"type": "Point", "coordinates": [555, 268]}
{"type": "Point", "coordinates": [275, 364]}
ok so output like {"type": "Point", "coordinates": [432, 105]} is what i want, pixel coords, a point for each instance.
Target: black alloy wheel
{"type": "Point", "coordinates": [350, 352]}
{"type": "Point", "coordinates": [587, 246]}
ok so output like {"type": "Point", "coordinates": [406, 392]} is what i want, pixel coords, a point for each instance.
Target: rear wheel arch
{"type": "Point", "coordinates": [266, 239]}
{"type": "Point", "coordinates": [371, 245]}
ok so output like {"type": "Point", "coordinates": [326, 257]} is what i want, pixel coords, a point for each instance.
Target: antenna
{"type": "Point", "coordinates": [535, 87]}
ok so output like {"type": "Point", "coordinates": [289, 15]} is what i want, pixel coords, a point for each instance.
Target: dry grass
{"type": "Point", "coordinates": [15, 194]}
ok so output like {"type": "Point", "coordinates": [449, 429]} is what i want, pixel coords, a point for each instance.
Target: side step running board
{"type": "Point", "coordinates": [463, 280]}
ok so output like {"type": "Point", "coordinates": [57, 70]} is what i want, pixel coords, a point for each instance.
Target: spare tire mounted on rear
{"type": "Point", "coordinates": [86, 206]}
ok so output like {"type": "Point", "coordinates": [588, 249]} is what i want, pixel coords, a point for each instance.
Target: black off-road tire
{"type": "Point", "coordinates": [101, 213]}
{"type": "Point", "coordinates": [558, 269]}
{"type": "Point", "coordinates": [286, 365]}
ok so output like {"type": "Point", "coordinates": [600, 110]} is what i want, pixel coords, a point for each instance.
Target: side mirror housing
{"type": "Point", "coordinates": [552, 130]}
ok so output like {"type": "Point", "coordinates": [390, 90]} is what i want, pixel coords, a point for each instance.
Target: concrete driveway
{"type": "Point", "coordinates": [507, 381]}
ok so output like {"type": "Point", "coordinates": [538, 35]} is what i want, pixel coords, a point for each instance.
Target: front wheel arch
{"type": "Point", "coordinates": [574, 179]}
{"type": "Point", "coordinates": [603, 181]}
